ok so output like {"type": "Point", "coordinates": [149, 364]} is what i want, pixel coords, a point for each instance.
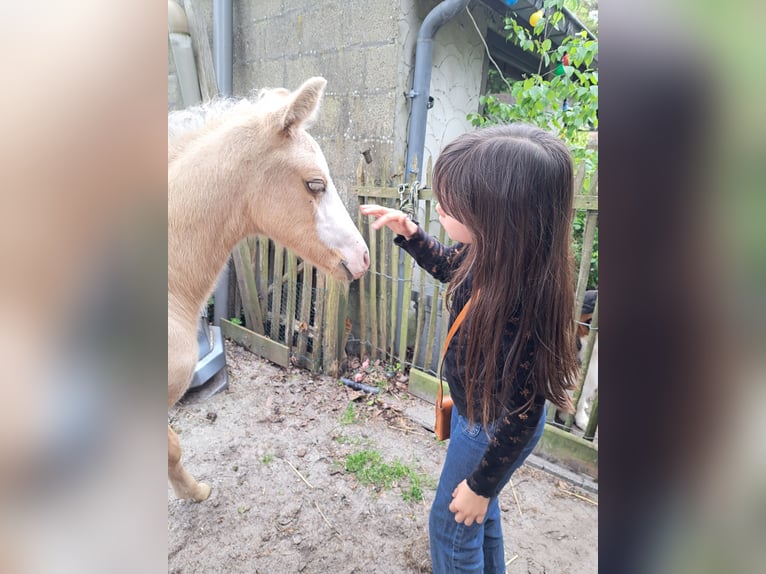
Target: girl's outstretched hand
{"type": "Point", "coordinates": [397, 221]}
{"type": "Point", "coordinates": [468, 506]}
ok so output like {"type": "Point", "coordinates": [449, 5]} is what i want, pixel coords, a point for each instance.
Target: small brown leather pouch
{"type": "Point", "coordinates": [443, 418]}
{"type": "Point", "coordinates": [444, 404]}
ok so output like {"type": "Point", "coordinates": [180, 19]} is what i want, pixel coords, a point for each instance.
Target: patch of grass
{"type": "Point", "coordinates": [267, 458]}
{"type": "Point", "coordinates": [415, 492]}
{"type": "Point", "coordinates": [349, 415]}
{"type": "Point", "coordinates": [369, 468]}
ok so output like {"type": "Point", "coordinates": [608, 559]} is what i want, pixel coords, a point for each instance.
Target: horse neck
{"type": "Point", "coordinates": [208, 214]}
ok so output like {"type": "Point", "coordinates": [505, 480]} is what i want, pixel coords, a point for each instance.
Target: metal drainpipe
{"type": "Point", "coordinates": [222, 58]}
{"type": "Point", "coordinates": [421, 82]}
{"type": "Point", "coordinates": [223, 22]}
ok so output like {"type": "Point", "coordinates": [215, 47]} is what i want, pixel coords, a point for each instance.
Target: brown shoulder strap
{"type": "Point", "coordinates": [452, 331]}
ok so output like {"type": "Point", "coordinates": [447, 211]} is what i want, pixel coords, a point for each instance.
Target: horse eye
{"type": "Point", "coordinates": [316, 185]}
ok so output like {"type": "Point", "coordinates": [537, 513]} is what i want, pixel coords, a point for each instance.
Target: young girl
{"type": "Point", "coordinates": [505, 197]}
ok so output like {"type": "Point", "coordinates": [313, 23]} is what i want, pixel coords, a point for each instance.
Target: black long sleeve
{"type": "Point", "coordinates": [437, 259]}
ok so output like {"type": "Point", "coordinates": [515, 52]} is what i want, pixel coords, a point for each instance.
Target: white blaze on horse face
{"type": "Point", "coordinates": [337, 231]}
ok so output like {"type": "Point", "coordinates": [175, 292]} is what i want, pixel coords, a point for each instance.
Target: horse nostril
{"type": "Point", "coordinates": [366, 258]}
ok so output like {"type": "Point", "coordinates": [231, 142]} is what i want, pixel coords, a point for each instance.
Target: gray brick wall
{"type": "Point", "coordinates": [353, 44]}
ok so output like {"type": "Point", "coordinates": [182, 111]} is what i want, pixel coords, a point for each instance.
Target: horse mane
{"type": "Point", "coordinates": [195, 120]}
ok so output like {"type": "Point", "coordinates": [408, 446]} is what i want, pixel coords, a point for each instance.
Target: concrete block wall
{"type": "Point", "coordinates": [354, 45]}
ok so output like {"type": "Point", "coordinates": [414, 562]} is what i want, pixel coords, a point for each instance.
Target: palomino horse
{"type": "Point", "coordinates": [234, 170]}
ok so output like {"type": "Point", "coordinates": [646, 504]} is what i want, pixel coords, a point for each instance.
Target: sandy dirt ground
{"type": "Point", "coordinates": [279, 448]}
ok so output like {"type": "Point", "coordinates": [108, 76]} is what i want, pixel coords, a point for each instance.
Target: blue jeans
{"type": "Point", "coordinates": [457, 548]}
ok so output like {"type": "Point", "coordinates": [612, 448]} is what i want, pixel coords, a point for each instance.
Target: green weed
{"type": "Point", "coordinates": [349, 415]}
{"type": "Point", "coordinates": [369, 468]}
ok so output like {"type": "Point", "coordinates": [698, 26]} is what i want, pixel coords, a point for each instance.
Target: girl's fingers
{"type": "Point", "coordinates": [386, 219]}
{"type": "Point", "coordinates": [395, 219]}
{"type": "Point", "coordinates": [372, 209]}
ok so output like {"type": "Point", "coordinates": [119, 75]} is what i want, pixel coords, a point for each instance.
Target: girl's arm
{"type": "Point", "coordinates": [512, 433]}
{"type": "Point", "coordinates": [437, 259]}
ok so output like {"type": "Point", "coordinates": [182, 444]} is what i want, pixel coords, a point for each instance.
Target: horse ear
{"type": "Point", "coordinates": [303, 105]}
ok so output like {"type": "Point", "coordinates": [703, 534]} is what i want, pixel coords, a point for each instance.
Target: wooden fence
{"type": "Point", "coordinates": [290, 313]}
{"type": "Point", "coordinates": [294, 314]}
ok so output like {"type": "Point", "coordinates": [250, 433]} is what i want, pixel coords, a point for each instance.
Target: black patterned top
{"type": "Point", "coordinates": [512, 432]}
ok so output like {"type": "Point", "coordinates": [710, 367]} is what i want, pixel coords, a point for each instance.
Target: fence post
{"type": "Point", "coordinates": [335, 321]}
{"type": "Point", "coordinates": [247, 289]}
{"type": "Point", "coordinates": [588, 352]}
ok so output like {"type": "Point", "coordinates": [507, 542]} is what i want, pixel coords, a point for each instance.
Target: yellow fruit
{"type": "Point", "coordinates": [535, 18]}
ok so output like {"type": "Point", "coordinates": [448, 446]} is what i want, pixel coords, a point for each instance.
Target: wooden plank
{"type": "Point", "coordinates": [588, 352]}
{"type": "Point", "coordinates": [392, 288]}
{"type": "Point", "coordinates": [239, 308]}
{"type": "Point", "coordinates": [305, 313]}
{"type": "Point", "coordinates": [208, 86]}
{"type": "Point", "coordinates": [404, 325]}
{"type": "Point", "coordinates": [421, 317]}
{"type": "Point", "coordinates": [255, 343]}
{"type": "Point", "coordinates": [276, 297]}
{"type": "Point", "coordinates": [319, 320]}
{"type": "Point", "coordinates": [292, 288]}
{"type": "Point", "coordinates": [262, 274]}
{"type": "Point", "coordinates": [594, 186]}
{"type": "Point", "coordinates": [360, 172]}
{"type": "Point", "coordinates": [373, 294]}
{"type": "Point", "coordinates": [435, 303]}
{"type": "Point", "coordinates": [588, 238]}
{"type": "Point", "coordinates": [550, 412]}
{"type": "Point", "coordinates": [569, 450]}
{"type": "Point", "coordinates": [252, 244]}
{"type": "Point", "coordinates": [384, 249]}
{"type": "Point", "coordinates": [431, 336]}
{"type": "Point", "coordinates": [395, 305]}
{"type": "Point", "coordinates": [586, 202]}
{"type": "Point", "coordinates": [590, 428]}
{"type": "Point", "coordinates": [425, 386]}
{"type": "Point", "coordinates": [381, 302]}
{"type": "Point", "coordinates": [247, 289]}
{"type": "Point", "coordinates": [580, 200]}
{"type": "Point", "coordinates": [332, 314]}
{"type": "Point", "coordinates": [579, 177]}
{"type": "Point", "coordinates": [389, 192]}
{"type": "Point", "coordinates": [363, 287]}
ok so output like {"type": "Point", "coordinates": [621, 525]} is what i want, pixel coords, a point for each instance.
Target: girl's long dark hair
{"type": "Point", "coordinates": [512, 186]}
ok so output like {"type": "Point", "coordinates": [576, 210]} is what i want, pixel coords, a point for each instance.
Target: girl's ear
{"type": "Point", "coordinates": [302, 107]}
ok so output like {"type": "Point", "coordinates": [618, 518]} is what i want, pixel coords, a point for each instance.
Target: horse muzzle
{"type": "Point", "coordinates": [357, 266]}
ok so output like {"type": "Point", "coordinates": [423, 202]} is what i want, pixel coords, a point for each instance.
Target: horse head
{"type": "Point", "coordinates": [305, 212]}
